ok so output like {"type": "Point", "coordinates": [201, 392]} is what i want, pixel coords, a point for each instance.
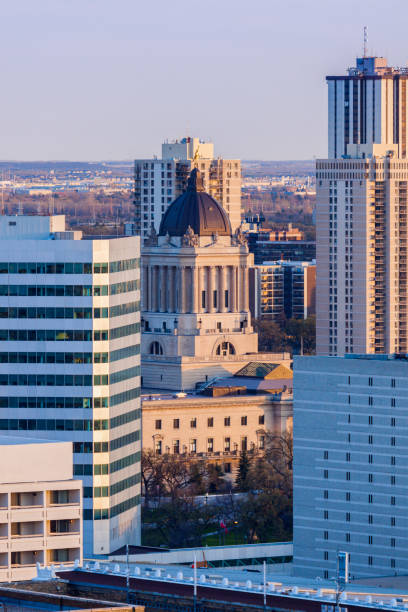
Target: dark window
{"type": "Point", "coordinates": [203, 300]}
{"type": "Point", "coordinates": [210, 422]}
{"type": "Point", "coordinates": [215, 298]}
{"type": "Point", "coordinates": [227, 421]}
{"type": "Point", "coordinates": [261, 419]}
{"type": "Point", "coordinates": [193, 423]}
{"type": "Point", "coordinates": [176, 423]}
{"type": "Point", "coordinates": [244, 420]}
{"type": "Point", "coordinates": [158, 424]}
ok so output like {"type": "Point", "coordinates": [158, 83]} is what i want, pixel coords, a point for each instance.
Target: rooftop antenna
{"type": "Point", "coordinates": [365, 41]}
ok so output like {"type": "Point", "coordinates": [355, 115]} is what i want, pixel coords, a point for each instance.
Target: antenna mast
{"type": "Point", "coordinates": [365, 41]}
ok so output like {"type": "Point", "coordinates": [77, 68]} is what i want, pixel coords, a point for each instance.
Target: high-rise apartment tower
{"type": "Point", "coordinates": [362, 208]}
{"type": "Point", "coordinates": [158, 182]}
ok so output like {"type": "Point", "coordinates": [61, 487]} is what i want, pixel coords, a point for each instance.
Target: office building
{"type": "Point", "coordinates": [283, 289]}
{"type": "Point", "coordinates": [40, 507]}
{"type": "Point", "coordinates": [361, 213]}
{"type": "Point", "coordinates": [70, 362]}
{"type": "Point", "coordinates": [265, 247]}
{"type": "Point", "coordinates": [158, 182]}
{"type": "Point", "coordinates": [350, 464]}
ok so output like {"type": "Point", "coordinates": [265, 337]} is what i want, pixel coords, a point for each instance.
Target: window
{"type": "Point", "coordinates": [392, 382]}
{"type": "Point", "coordinates": [193, 446]}
{"type": "Point", "coordinates": [203, 300]}
{"type": "Point", "coordinates": [226, 298]}
{"type": "Point", "coordinates": [348, 517]}
{"type": "Point", "coordinates": [370, 560]}
{"type": "Point", "coordinates": [156, 348]}
{"type": "Point", "coordinates": [325, 535]}
{"type": "Point", "coordinates": [176, 423]}
{"type": "Point", "coordinates": [370, 539]}
{"type": "Point", "coordinates": [348, 476]}
{"type": "Point", "coordinates": [348, 495]}
{"type": "Point", "coordinates": [244, 420]}
{"type": "Point", "coordinates": [227, 468]}
{"type": "Point", "coordinates": [193, 423]}
{"type": "Point", "coordinates": [215, 298]}
{"type": "Point", "coordinates": [392, 421]}
{"type": "Point", "coordinates": [370, 498]}
{"type": "Point", "coordinates": [244, 443]}
{"type": "Point", "coordinates": [210, 445]}
{"type": "Point", "coordinates": [392, 479]}
{"type": "Point", "coordinates": [326, 474]}
{"type": "Point", "coordinates": [392, 440]}
{"type": "Point", "coordinates": [326, 494]}
{"type": "Point", "coordinates": [261, 419]}
{"type": "Point", "coordinates": [326, 555]}
{"type": "Point", "coordinates": [370, 382]}
{"type": "Point", "coordinates": [227, 421]}
{"type": "Point", "coordinates": [370, 439]}
{"type": "Point", "coordinates": [227, 445]}
{"type": "Point", "coordinates": [370, 458]}
{"type": "Point", "coordinates": [348, 456]}
{"type": "Point", "coordinates": [392, 561]}
{"type": "Point", "coordinates": [370, 519]}
{"type": "Point", "coordinates": [392, 521]}
{"type": "Point", "coordinates": [210, 422]}
{"type": "Point", "coordinates": [370, 420]}
{"type": "Point", "coordinates": [370, 478]}
{"type": "Point", "coordinates": [158, 447]}
{"type": "Point", "coordinates": [392, 500]}
{"type": "Point", "coordinates": [392, 542]}
{"type": "Point", "coordinates": [326, 454]}
{"type": "Point", "coordinates": [158, 424]}
{"type": "Point", "coordinates": [176, 447]}
{"type": "Point", "coordinates": [348, 538]}
{"type": "Point", "coordinates": [326, 514]}
{"type": "Point", "coordinates": [392, 460]}
{"type": "Point", "coordinates": [225, 348]}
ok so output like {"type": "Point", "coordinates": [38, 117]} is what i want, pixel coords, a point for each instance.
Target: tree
{"type": "Point", "coordinates": [243, 471]}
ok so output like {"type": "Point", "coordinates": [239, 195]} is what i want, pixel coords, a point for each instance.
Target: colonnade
{"type": "Point", "coordinates": [195, 289]}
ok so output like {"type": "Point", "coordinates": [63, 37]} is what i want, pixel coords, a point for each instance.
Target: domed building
{"type": "Point", "coordinates": [196, 323]}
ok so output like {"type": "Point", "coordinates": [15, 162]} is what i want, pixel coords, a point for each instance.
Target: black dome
{"type": "Point", "coordinates": [197, 209]}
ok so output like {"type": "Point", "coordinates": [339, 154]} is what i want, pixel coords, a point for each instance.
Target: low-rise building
{"type": "Point", "coordinates": [216, 428]}
{"type": "Point", "coordinates": [40, 507]}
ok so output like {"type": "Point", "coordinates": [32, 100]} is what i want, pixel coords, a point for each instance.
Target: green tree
{"type": "Point", "coordinates": [243, 471]}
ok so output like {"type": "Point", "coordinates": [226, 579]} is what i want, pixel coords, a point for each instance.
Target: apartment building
{"type": "Point", "coordinates": [158, 182]}
{"type": "Point", "coordinates": [40, 507]}
{"type": "Point", "coordinates": [361, 213]}
{"type": "Point", "coordinates": [283, 288]}
{"type": "Point", "coordinates": [350, 464]}
{"type": "Point", "coordinates": [70, 361]}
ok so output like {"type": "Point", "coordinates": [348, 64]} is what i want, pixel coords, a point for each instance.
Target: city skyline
{"type": "Point", "coordinates": [93, 80]}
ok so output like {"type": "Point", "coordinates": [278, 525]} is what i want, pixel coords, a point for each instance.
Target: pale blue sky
{"type": "Point", "coordinates": [110, 79]}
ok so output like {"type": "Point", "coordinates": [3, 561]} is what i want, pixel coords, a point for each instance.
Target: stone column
{"type": "Point", "coordinates": [232, 285]}
{"type": "Point", "coordinates": [150, 297]}
{"type": "Point", "coordinates": [179, 284]}
{"type": "Point", "coordinates": [221, 303]}
{"type": "Point", "coordinates": [210, 289]}
{"type": "Point", "coordinates": [194, 289]}
{"type": "Point", "coordinates": [160, 289]}
{"type": "Point", "coordinates": [145, 287]}
{"type": "Point", "coordinates": [239, 289]}
{"type": "Point", "coordinates": [246, 288]}
{"type": "Point", "coordinates": [197, 290]}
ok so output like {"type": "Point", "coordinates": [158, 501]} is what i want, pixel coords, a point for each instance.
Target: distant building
{"type": "Point", "coordinates": [160, 181]}
{"type": "Point", "coordinates": [40, 507]}
{"type": "Point", "coordinates": [70, 361]}
{"type": "Point", "coordinates": [350, 464]}
{"type": "Point", "coordinates": [283, 288]}
{"type": "Point", "coordinates": [361, 213]}
{"type": "Point", "coordinates": [289, 245]}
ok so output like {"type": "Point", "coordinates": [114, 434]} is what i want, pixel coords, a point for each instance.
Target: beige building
{"type": "Point", "coordinates": [215, 428]}
{"type": "Point", "coordinates": [160, 181]}
{"type": "Point", "coordinates": [362, 213]}
{"type": "Point", "coordinates": [40, 507]}
{"type": "Point", "coordinates": [196, 322]}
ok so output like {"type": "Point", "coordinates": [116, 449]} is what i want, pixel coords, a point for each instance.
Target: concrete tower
{"type": "Point", "coordinates": [362, 208]}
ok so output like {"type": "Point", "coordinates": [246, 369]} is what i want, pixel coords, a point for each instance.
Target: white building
{"type": "Point", "coordinates": [160, 181]}
{"type": "Point", "coordinates": [70, 363]}
{"type": "Point", "coordinates": [350, 464]}
{"type": "Point", "coordinates": [40, 507]}
{"type": "Point", "coordinates": [361, 213]}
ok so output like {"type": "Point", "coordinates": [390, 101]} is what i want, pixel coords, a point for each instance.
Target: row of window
{"type": "Point", "coordinates": [68, 268]}
{"type": "Point", "coordinates": [69, 402]}
{"type": "Point", "coordinates": [67, 424]}
{"type": "Point", "coordinates": [210, 422]}
{"type": "Point", "coordinates": [68, 335]}
{"type": "Point", "coordinates": [68, 380]}
{"type": "Point", "coordinates": [118, 487]}
{"type": "Point", "coordinates": [69, 290]}
{"type": "Point", "coordinates": [105, 513]}
{"type": "Point", "coordinates": [99, 469]}
{"type": "Point", "coordinates": [71, 358]}
{"type": "Point", "coordinates": [227, 447]}
{"type": "Point", "coordinates": [11, 312]}
{"type": "Point", "coordinates": [106, 447]}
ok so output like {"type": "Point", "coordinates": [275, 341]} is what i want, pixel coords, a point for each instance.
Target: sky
{"type": "Point", "coordinates": [112, 79]}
